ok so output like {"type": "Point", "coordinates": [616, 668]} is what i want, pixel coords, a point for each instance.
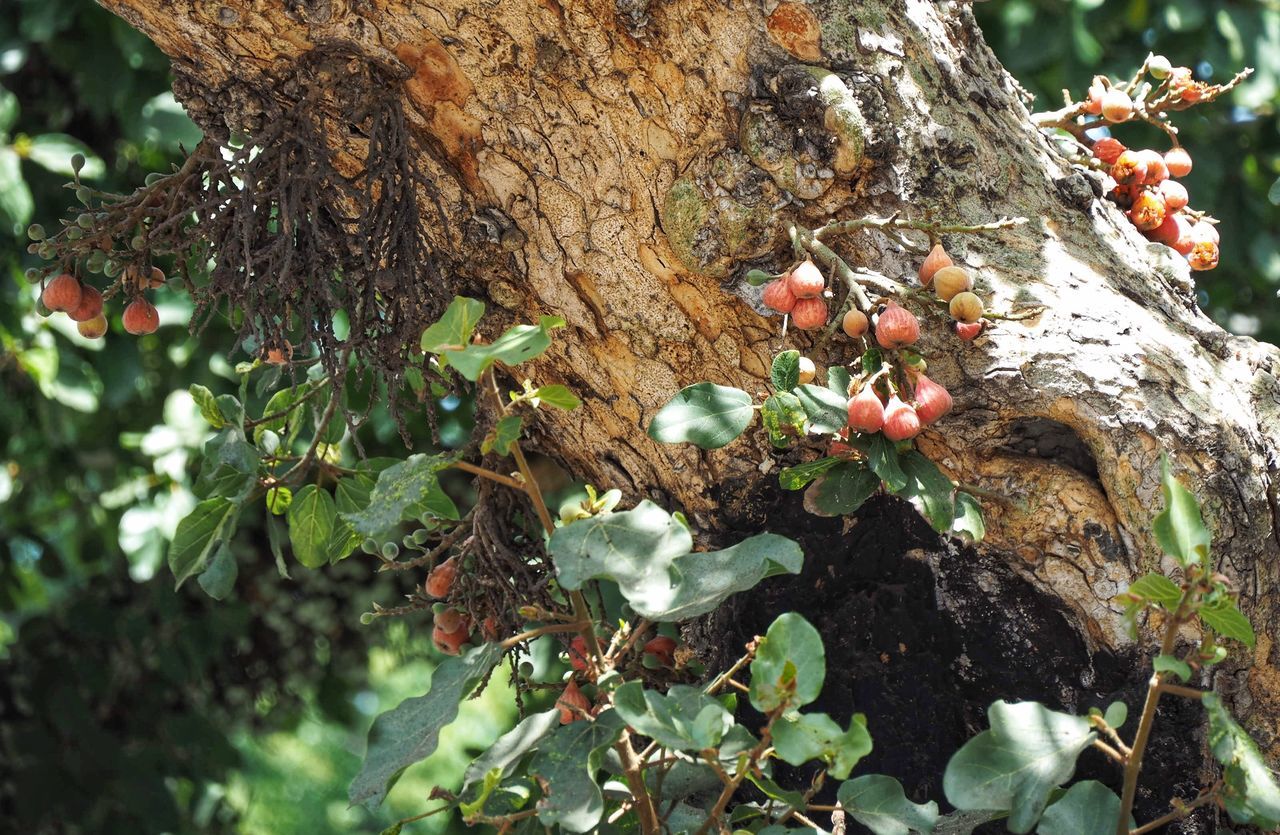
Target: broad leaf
{"type": "Point", "coordinates": [454, 328]}
{"type": "Point", "coordinates": [783, 418]}
{"type": "Point", "coordinates": [16, 202]}
{"type": "Point", "coordinates": [232, 410]}
{"type": "Point", "coordinates": [507, 750]}
{"type": "Point", "coordinates": [53, 152]}
{"type": "Point", "coordinates": [208, 405]}
{"type": "Point", "coordinates": [969, 519]}
{"type": "Point", "coordinates": [647, 552]}
{"type": "Point", "coordinates": [705, 415]}
{"type": "Point", "coordinates": [1158, 589]}
{"type": "Point", "coordinates": [882, 457]}
{"type": "Point", "coordinates": [785, 373]}
{"type": "Point", "coordinates": [199, 534]}
{"type": "Point", "coordinates": [927, 484]}
{"type": "Point", "coordinates": [1088, 808]}
{"type": "Point", "coordinates": [1027, 753]}
{"type": "Point", "coordinates": [399, 490]}
{"type": "Point", "coordinates": [230, 467]}
{"type": "Point", "coordinates": [1225, 618]}
{"type": "Point", "coordinates": [684, 719]}
{"type": "Point", "coordinates": [879, 803]}
{"type": "Point", "coordinates": [838, 380]}
{"type": "Point", "coordinates": [841, 490]}
{"type": "Point", "coordinates": [504, 433]}
{"type": "Point", "coordinates": [409, 733]}
{"type": "Point", "coordinates": [567, 765]}
{"type": "Point", "coordinates": [312, 516]}
{"type": "Point", "coordinates": [795, 478]}
{"type": "Point", "coordinates": [220, 577]}
{"type": "Point", "coordinates": [816, 736]}
{"type": "Point", "coordinates": [964, 822]}
{"type": "Point", "coordinates": [1179, 528]}
{"type": "Point", "coordinates": [284, 403]}
{"type": "Point", "coordinates": [1173, 666]}
{"type": "Point", "coordinates": [518, 344]}
{"type": "Point", "coordinates": [1250, 794]}
{"type": "Point", "coordinates": [828, 412]}
{"type": "Point", "coordinates": [1116, 714]}
{"type": "Point", "coordinates": [558, 396]}
{"type": "Point", "coordinates": [790, 665]}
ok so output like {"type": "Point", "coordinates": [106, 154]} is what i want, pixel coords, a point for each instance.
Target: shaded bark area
{"type": "Point", "coordinates": [619, 166]}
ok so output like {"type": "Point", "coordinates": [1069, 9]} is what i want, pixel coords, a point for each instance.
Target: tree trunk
{"type": "Point", "coordinates": [618, 163]}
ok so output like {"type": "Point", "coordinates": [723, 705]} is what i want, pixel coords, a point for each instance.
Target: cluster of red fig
{"type": "Point", "coordinates": [575, 704]}
{"type": "Point", "coordinates": [1154, 202]}
{"type": "Point", "coordinates": [83, 304]}
{"type": "Point", "coordinates": [452, 627]}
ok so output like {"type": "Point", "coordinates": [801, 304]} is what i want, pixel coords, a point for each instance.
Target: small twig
{"type": "Point", "coordinates": [1109, 751]}
{"type": "Point", "coordinates": [1179, 690]}
{"type": "Point", "coordinates": [1181, 810]}
{"type": "Point", "coordinates": [548, 629]}
{"type": "Point", "coordinates": [468, 467]}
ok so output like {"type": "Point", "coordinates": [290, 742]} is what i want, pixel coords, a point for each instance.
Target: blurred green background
{"type": "Point", "coordinates": [125, 707]}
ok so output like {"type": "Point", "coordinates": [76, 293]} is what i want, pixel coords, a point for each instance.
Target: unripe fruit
{"type": "Point", "coordinates": [1094, 104]}
{"type": "Point", "coordinates": [968, 331]}
{"type": "Point", "coordinates": [966, 307]}
{"type": "Point", "coordinates": [807, 370]}
{"type": "Point", "coordinates": [866, 412]}
{"type": "Point", "coordinates": [141, 317]}
{"type": "Point", "coordinates": [1129, 168]}
{"type": "Point", "coordinates": [1174, 194]}
{"type": "Point", "coordinates": [1204, 256]}
{"type": "Point", "coordinates": [662, 649]}
{"type": "Point", "coordinates": [1157, 170]}
{"type": "Point", "coordinates": [1108, 148]}
{"type": "Point", "coordinates": [90, 306]}
{"type": "Point", "coordinates": [573, 703]}
{"type": "Point", "coordinates": [1159, 66]}
{"type": "Point", "coordinates": [450, 643]}
{"type": "Point", "coordinates": [778, 297]}
{"type": "Point", "coordinates": [934, 261]}
{"type": "Point", "coordinates": [806, 281]}
{"type": "Point", "coordinates": [1178, 161]}
{"type": "Point", "coordinates": [440, 580]}
{"type": "Point", "coordinates": [809, 314]}
{"type": "Point", "coordinates": [896, 327]}
{"type": "Point", "coordinates": [1147, 212]}
{"type": "Point", "coordinates": [93, 328]}
{"type": "Point", "coordinates": [951, 280]}
{"type": "Point", "coordinates": [932, 400]}
{"type": "Point", "coordinates": [451, 620]}
{"type": "Point", "coordinates": [900, 420]}
{"type": "Point", "coordinates": [855, 323]}
{"type": "Point", "coordinates": [1116, 106]}
{"type": "Point", "coordinates": [62, 293]}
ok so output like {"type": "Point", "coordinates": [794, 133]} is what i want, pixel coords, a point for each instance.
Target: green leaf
{"type": "Point", "coordinates": [964, 822]}
{"type": "Point", "coordinates": [1179, 528]}
{"type": "Point", "coordinates": [1027, 753]}
{"type": "Point", "coordinates": [1273, 193]}
{"type": "Point", "coordinates": [790, 665]}
{"type": "Point", "coordinates": [400, 489]}
{"type": "Point", "coordinates": [278, 500]}
{"type": "Point", "coordinates": [795, 478]}
{"type": "Point", "coordinates": [311, 517]}
{"type": "Point", "coordinates": [683, 719]}
{"type": "Point", "coordinates": [1250, 794]}
{"type": "Point", "coordinates": [785, 373]}
{"type": "Point", "coordinates": [231, 409]}
{"type": "Point", "coordinates": [783, 418]}
{"type": "Point", "coordinates": [969, 519]}
{"type": "Point", "coordinates": [838, 380]}
{"type": "Point", "coordinates": [647, 552]}
{"type": "Point", "coordinates": [704, 414]}
{"type": "Point", "coordinates": [872, 361]}
{"type": "Point", "coordinates": [757, 278]}
{"type": "Point", "coordinates": [409, 733]}
{"type": "Point", "coordinates": [9, 111]}
{"type": "Point", "coordinates": [16, 202]}
{"type": "Point", "coordinates": [230, 467]}
{"type": "Point", "coordinates": [816, 736]}
{"type": "Point", "coordinates": [507, 750]}
{"type": "Point", "coordinates": [199, 534]}
{"type": "Point", "coordinates": [1174, 666]}
{"type": "Point", "coordinates": [1116, 714]}
{"type": "Point", "coordinates": [220, 577]}
{"type": "Point", "coordinates": [558, 396]}
{"type": "Point", "coordinates": [505, 433]}
{"type": "Point", "coordinates": [284, 403]}
{"type": "Point", "coordinates": [1088, 808]}
{"type": "Point", "coordinates": [53, 151]}
{"type": "Point", "coordinates": [879, 803]}
{"type": "Point", "coordinates": [207, 405]}
{"type": "Point", "coordinates": [454, 329]}
{"type": "Point", "coordinates": [882, 457]}
{"type": "Point", "coordinates": [1158, 589]}
{"type": "Point", "coordinates": [933, 490]}
{"type": "Point", "coordinates": [1225, 618]}
{"type": "Point", "coordinates": [828, 412]}
{"type": "Point", "coordinates": [516, 345]}
{"type": "Point", "coordinates": [841, 490]}
{"type": "Point", "coordinates": [568, 764]}
{"type": "Point", "coordinates": [773, 791]}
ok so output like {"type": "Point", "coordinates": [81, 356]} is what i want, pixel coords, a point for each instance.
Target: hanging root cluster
{"type": "Point", "coordinates": [307, 235]}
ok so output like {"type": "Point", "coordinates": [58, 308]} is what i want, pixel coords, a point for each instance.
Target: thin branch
{"type": "Point", "coordinates": [508, 481]}
{"type": "Point", "coordinates": [1181, 810]}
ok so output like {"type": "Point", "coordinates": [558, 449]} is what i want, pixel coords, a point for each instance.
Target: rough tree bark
{"type": "Point", "coordinates": [617, 163]}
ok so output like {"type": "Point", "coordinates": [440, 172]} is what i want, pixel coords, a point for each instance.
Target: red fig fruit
{"type": "Point", "coordinates": [778, 297]}
{"type": "Point", "coordinates": [896, 327]}
{"type": "Point", "coordinates": [573, 703]}
{"type": "Point", "coordinates": [806, 281]}
{"type": "Point", "coordinates": [62, 293]}
{"type": "Point", "coordinates": [932, 400]}
{"type": "Point", "coordinates": [934, 261]}
{"type": "Point", "coordinates": [866, 412]}
{"type": "Point", "coordinates": [900, 420]}
{"type": "Point", "coordinates": [809, 313]}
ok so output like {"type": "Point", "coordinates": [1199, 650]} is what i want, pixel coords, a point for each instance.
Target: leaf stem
{"type": "Point", "coordinates": [508, 481]}
{"type": "Point", "coordinates": [1179, 690]}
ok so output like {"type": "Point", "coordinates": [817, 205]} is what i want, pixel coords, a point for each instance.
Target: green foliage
{"type": "Point", "coordinates": [841, 489]}
{"type": "Point", "coordinates": [683, 719]}
{"type": "Point", "coordinates": [1179, 528]}
{"type": "Point", "coordinates": [878, 803]}
{"type": "Point", "coordinates": [402, 491]}
{"type": "Point", "coordinates": [816, 736]}
{"type": "Point", "coordinates": [516, 345]}
{"type": "Point", "coordinates": [1088, 808]}
{"type": "Point", "coordinates": [785, 371]}
{"type": "Point", "coordinates": [569, 762]}
{"type": "Point", "coordinates": [705, 414]}
{"type": "Point", "coordinates": [789, 667]}
{"type": "Point", "coordinates": [1251, 795]}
